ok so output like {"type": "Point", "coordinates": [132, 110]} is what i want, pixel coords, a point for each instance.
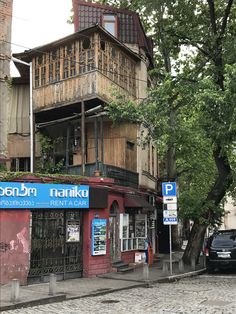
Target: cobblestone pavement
{"type": "Point", "coordinates": [203, 294]}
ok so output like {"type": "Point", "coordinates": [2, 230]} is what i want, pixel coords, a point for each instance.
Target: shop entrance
{"type": "Point", "coordinates": [56, 245]}
{"type": "Point", "coordinates": [114, 233]}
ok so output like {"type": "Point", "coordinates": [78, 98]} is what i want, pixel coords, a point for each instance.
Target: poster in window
{"type": "Point", "coordinates": [99, 236]}
{"type": "Point", "coordinates": [73, 231]}
{"type": "Point", "coordinates": [140, 226]}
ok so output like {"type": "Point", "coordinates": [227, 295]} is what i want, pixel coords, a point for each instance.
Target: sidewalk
{"type": "Point", "coordinates": [86, 287]}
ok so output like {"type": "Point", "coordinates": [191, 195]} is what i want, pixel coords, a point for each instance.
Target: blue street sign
{"type": "Point", "coordinates": [170, 221]}
{"type": "Point", "coordinates": [169, 188]}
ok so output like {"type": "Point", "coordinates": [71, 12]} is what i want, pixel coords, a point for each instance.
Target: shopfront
{"type": "Point", "coordinates": [71, 230]}
{"type": "Point", "coordinates": [135, 227]}
{"type": "Point", "coordinates": [41, 230]}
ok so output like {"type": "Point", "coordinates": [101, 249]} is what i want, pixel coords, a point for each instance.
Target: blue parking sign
{"type": "Point", "coordinates": [169, 188]}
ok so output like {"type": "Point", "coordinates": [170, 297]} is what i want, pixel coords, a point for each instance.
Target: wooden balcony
{"type": "Point", "coordinates": [82, 68]}
{"type": "Point", "coordinates": [121, 176]}
{"type": "Point", "coordinates": [75, 89]}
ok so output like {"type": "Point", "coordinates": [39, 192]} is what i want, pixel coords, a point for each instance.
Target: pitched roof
{"type": "Point", "coordinates": [130, 29]}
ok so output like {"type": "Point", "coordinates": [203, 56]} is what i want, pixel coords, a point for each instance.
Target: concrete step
{"type": "Point", "coordinates": [119, 264]}
{"type": "Point", "coordinates": [122, 267]}
{"type": "Point", "coordinates": [125, 269]}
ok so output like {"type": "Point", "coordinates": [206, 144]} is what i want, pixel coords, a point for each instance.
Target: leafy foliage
{"type": "Point", "coordinates": [47, 164]}
{"type": "Point", "coordinates": [191, 105]}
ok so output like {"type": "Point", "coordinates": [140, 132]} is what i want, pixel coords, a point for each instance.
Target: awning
{"type": "Point", "coordinates": [136, 201]}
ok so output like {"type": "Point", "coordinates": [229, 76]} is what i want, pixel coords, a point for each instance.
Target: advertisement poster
{"type": "Point", "coordinates": [99, 236]}
{"type": "Point", "coordinates": [73, 231]}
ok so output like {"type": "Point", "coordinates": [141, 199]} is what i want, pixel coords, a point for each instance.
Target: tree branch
{"type": "Point", "coordinates": [212, 16]}
{"type": "Point", "coordinates": [225, 18]}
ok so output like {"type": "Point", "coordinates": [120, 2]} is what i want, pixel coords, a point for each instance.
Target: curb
{"type": "Point", "coordinates": [46, 300]}
{"type": "Point", "coordinates": [66, 297]}
{"type": "Point", "coordinates": [180, 276]}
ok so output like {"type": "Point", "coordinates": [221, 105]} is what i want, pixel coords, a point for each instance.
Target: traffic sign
{"type": "Point", "coordinates": [169, 188]}
{"type": "Point", "coordinates": [169, 199]}
{"type": "Point", "coordinates": [171, 206]}
{"type": "Point", "coordinates": [170, 221]}
{"type": "Point", "coordinates": [170, 214]}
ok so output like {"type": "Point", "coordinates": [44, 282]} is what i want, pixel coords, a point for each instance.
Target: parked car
{"type": "Point", "coordinates": [220, 250]}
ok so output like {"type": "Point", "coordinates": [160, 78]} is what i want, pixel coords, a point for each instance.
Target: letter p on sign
{"type": "Point", "coordinates": [169, 188]}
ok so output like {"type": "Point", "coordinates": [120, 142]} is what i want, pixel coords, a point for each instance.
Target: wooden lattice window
{"type": "Point", "coordinates": [57, 66]}
{"type": "Point", "coordinates": [40, 71]}
{"type": "Point", "coordinates": [86, 55]}
{"type": "Point", "coordinates": [69, 61]}
{"type": "Point", "coordinates": [117, 66]}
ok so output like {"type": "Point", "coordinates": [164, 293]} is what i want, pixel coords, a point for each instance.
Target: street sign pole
{"type": "Point", "coordinates": [170, 250]}
{"type": "Point", "coordinates": [170, 216]}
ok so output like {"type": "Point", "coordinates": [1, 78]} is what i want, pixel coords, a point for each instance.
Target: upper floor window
{"type": "Point", "coordinates": [110, 23]}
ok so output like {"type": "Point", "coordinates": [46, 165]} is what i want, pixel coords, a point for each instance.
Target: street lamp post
{"type": "Point", "coordinates": [31, 113]}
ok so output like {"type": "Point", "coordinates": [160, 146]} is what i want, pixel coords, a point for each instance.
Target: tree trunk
{"type": "Point", "coordinates": [222, 183]}
{"type": "Point", "coordinates": [195, 242]}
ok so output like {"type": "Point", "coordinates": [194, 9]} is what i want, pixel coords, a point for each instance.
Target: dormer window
{"type": "Point", "coordinates": [110, 23]}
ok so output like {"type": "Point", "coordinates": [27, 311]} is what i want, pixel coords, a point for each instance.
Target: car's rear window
{"type": "Point", "coordinates": [224, 240]}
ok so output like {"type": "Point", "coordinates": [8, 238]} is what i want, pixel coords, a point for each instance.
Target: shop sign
{"type": "Point", "coordinates": [38, 195]}
{"type": "Point", "coordinates": [99, 236]}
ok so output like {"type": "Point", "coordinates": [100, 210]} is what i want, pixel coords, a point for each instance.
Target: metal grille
{"type": "Point", "coordinates": [51, 252]}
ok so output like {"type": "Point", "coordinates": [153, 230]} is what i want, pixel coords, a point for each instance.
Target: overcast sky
{"type": "Point", "coordinates": [38, 22]}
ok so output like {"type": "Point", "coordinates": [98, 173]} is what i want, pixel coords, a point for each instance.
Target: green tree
{"type": "Point", "coordinates": [190, 110]}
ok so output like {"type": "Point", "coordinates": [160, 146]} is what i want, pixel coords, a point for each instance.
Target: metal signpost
{"type": "Point", "coordinates": [170, 216]}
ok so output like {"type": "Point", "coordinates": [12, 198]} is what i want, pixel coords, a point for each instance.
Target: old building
{"type": "Point", "coordinates": [5, 53]}
{"type": "Point", "coordinates": [73, 79]}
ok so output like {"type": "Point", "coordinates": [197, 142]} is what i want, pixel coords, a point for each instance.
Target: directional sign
{"type": "Point", "coordinates": [169, 188]}
{"type": "Point", "coordinates": [169, 199]}
{"type": "Point", "coordinates": [170, 221]}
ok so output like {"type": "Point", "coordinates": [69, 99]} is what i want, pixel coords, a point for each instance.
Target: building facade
{"type": "Point", "coordinates": [73, 79]}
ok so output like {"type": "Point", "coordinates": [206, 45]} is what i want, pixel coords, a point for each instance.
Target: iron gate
{"type": "Point", "coordinates": [56, 244]}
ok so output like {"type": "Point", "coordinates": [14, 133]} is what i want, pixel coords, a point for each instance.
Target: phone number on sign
{"type": "Point", "coordinates": [16, 203]}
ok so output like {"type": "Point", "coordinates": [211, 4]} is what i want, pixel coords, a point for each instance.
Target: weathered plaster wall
{"type": "Point", "coordinates": [14, 245]}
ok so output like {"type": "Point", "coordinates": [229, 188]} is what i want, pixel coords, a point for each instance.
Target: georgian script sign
{"type": "Point", "coordinates": [38, 195]}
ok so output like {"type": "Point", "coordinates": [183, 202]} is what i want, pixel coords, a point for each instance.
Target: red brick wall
{"type": "Point", "coordinates": [128, 257]}
{"type": "Point", "coordinates": [14, 245]}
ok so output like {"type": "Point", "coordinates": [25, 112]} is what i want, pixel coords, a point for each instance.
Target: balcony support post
{"type": "Point", "coordinates": [101, 143]}
{"type": "Point", "coordinates": [83, 138]}
{"type": "Point", "coordinates": [96, 142]}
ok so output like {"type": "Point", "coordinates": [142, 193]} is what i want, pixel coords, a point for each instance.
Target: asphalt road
{"type": "Point", "coordinates": [203, 294]}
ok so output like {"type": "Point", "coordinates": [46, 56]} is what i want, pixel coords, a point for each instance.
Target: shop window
{"type": "Point", "coordinates": [110, 23]}
{"type": "Point", "coordinates": [133, 231]}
